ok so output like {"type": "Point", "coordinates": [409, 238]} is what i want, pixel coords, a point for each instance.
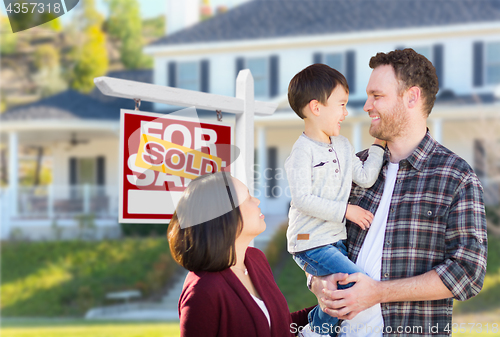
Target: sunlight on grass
{"type": "Point", "coordinates": [99, 330]}
{"type": "Point", "coordinates": [45, 278]}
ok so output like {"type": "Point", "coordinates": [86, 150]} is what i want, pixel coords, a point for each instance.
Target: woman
{"type": "Point", "coordinates": [230, 290]}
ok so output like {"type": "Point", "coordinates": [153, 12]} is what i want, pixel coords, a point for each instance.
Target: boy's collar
{"type": "Point", "coordinates": [318, 143]}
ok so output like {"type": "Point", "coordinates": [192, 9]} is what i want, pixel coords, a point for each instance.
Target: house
{"type": "Point", "coordinates": [82, 133]}
{"type": "Point", "coordinates": [275, 39]}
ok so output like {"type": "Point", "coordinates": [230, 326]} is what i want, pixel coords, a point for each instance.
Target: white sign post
{"type": "Point", "coordinates": [243, 105]}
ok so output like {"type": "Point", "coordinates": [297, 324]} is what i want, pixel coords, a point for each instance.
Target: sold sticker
{"type": "Point", "coordinates": [163, 156]}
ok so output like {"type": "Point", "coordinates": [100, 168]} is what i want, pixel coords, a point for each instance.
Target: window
{"type": "Point", "coordinates": [188, 76]}
{"type": "Point", "coordinates": [260, 71]}
{"type": "Point", "coordinates": [335, 61]}
{"type": "Point", "coordinates": [492, 63]}
{"type": "Point", "coordinates": [344, 62]}
{"type": "Point", "coordinates": [424, 50]}
{"type": "Point", "coordinates": [87, 170]}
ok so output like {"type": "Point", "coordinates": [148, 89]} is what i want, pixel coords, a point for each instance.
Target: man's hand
{"type": "Point", "coordinates": [380, 142]}
{"type": "Point", "coordinates": [359, 216]}
{"type": "Point", "coordinates": [320, 283]}
{"type": "Point", "coordinates": [347, 303]}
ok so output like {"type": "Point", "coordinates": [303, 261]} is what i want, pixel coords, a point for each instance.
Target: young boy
{"type": "Point", "coordinates": [320, 171]}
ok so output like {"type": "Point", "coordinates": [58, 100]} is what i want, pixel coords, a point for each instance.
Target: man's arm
{"type": "Point", "coordinates": [366, 292]}
{"type": "Point", "coordinates": [460, 275]}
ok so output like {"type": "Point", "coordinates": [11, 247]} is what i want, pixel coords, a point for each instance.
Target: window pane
{"type": "Point", "coordinates": [493, 63]}
{"type": "Point", "coordinates": [334, 61]}
{"type": "Point", "coordinates": [493, 53]}
{"type": "Point", "coordinates": [86, 171]}
{"type": "Point", "coordinates": [188, 76]}
{"type": "Point", "coordinates": [493, 74]}
{"type": "Point", "coordinates": [258, 67]}
{"type": "Point", "coordinates": [426, 51]}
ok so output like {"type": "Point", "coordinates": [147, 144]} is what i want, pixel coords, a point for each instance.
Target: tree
{"type": "Point", "coordinates": [124, 24]}
{"type": "Point", "coordinates": [48, 76]}
{"type": "Point", "coordinates": [9, 40]}
{"type": "Point", "coordinates": [91, 59]}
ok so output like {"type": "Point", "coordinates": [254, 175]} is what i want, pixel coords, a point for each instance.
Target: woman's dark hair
{"type": "Point", "coordinates": [317, 81]}
{"type": "Point", "coordinates": [411, 69]}
{"type": "Point", "coordinates": [205, 224]}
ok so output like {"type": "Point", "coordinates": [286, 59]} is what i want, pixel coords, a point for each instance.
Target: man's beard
{"type": "Point", "coordinates": [391, 125]}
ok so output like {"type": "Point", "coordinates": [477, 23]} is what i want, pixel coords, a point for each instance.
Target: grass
{"type": "Point", "coordinates": [84, 328]}
{"type": "Point", "coordinates": [67, 278]}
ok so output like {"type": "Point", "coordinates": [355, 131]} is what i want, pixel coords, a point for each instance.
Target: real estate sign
{"type": "Point", "coordinates": [160, 155]}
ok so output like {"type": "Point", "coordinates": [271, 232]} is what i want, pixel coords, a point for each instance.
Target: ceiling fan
{"type": "Point", "coordinates": [74, 141]}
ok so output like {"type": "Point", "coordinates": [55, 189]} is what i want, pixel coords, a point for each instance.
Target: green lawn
{"type": "Point", "coordinates": [66, 278]}
{"type": "Point", "coordinates": [83, 328]}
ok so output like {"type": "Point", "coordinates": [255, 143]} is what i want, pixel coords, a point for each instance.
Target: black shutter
{"type": "Point", "coordinates": [317, 58]}
{"type": "Point", "coordinates": [240, 65]}
{"type": "Point", "coordinates": [478, 50]}
{"type": "Point", "coordinates": [72, 171]}
{"type": "Point", "coordinates": [350, 70]}
{"type": "Point", "coordinates": [172, 74]}
{"type": "Point", "coordinates": [438, 63]}
{"type": "Point", "coordinates": [101, 173]}
{"type": "Point", "coordinates": [274, 71]}
{"type": "Point", "coordinates": [205, 75]}
{"type": "Point", "coordinates": [272, 160]}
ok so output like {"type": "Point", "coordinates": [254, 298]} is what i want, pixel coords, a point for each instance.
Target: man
{"type": "Point", "coordinates": [427, 244]}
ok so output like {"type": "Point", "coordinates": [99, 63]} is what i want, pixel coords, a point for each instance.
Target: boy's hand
{"type": "Point", "coordinates": [359, 216]}
{"type": "Point", "coordinates": [380, 142]}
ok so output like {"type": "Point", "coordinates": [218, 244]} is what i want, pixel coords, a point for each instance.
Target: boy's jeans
{"type": "Point", "coordinates": [322, 261]}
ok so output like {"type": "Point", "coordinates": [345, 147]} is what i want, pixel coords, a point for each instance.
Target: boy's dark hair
{"type": "Point", "coordinates": [411, 69]}
{"type": "Point", "coordinates": [314, 82]}
{"type": "Point", "coordinates": [208, 245]}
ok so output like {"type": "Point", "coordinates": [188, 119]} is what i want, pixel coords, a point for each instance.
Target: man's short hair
{"type": "Point", "coordinates": [411, 69]}
{"type": "Point", "coordinates": [317, 81]}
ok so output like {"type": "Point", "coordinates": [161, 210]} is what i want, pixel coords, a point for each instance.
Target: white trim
{"type": "Point", "coordinates": [325, 39]}
{"type": "Point", "coordinates": [58, 124]}
{"type": "Point", "coordinates": [110, 86]}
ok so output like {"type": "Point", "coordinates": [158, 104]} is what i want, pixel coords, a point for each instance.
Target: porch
{"type": "Point", "coordinates": [57, 212]}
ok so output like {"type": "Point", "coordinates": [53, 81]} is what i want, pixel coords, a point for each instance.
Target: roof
{"type": "Point", "coordinates": [71, 104]}
{"type": "Point", "coordinates": [265, 19]}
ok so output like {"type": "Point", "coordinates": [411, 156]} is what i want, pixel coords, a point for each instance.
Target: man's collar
{"type": "Point", "coordinates": [420, 155]}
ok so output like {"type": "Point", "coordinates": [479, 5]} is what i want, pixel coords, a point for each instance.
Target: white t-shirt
{"type": "Point", "coordinates": [370, 321]}
{"type": "Point", "coordinates": [262, 305]}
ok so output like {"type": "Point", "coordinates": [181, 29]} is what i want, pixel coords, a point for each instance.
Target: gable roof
{"type": "Point", "coordinates": [264, 19]}
{"type": "Point", "coordinates": [71, 104]}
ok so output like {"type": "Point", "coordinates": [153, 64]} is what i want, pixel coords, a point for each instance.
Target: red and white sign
{"type": "Point", "coordinates": [159, 155]}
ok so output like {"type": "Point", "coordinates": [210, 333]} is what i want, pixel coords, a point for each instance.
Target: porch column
{"type": "Point", "coordinates": [13, 172]}
{"type": "Point", "coordinates": [262, 161]}
{"type": "Point", "coordinates": [356, 137]}
{"type": "Point", "coordinates": [438, 130]}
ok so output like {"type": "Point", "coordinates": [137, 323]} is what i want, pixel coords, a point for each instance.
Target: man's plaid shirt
{"type": "Point", "coordinates": [436, 221]}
